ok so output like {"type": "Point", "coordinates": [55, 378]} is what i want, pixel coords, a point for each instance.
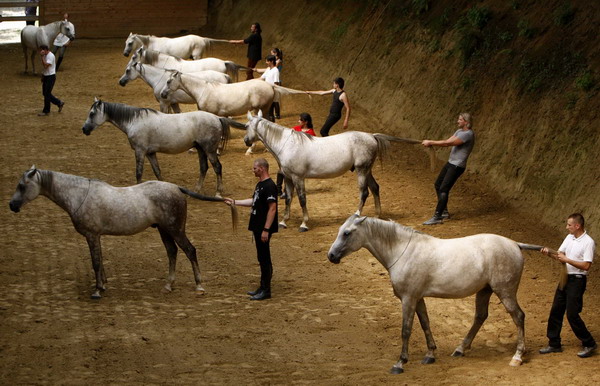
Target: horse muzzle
{"type": "Point", "coordinates": [248, 142]}
{"type": "Point", "coordinates": [164, 94]}
{"type": "Point", "coordinates": [333, 258]}
{"type": "Point", "coordinates": [123, 82]}
{"type": "Point", "coordinates": [15, 205]}
{"type": "Point", "coordinates": [87, 130]}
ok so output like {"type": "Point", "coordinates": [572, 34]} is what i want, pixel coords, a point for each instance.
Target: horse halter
{"type": "Point", "coordinates": [405, 248]}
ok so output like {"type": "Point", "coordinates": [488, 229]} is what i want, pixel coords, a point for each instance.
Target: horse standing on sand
{"type": "Point", "coordinates": [169, 62]}
{"type": "Point", "coordinates": [227, 99]}
{"type": "Point", "coordinates": [302, 156]}
{"type": "Point", "coordinates": [97, 208]}
{"type": "Point", "coordinates": [33, 37]}
{"type": "Point", "coordinates": [188, 46]}
{"type": "Point", "coordinates": [422, 266]}
{"type": "Point", "coordinates": [150, 132]}
{"type": "Point", "coordinates": [157, 78]}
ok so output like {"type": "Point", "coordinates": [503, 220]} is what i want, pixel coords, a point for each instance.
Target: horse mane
{"type": "Point", "coordinates": [387, 231]}
{"type": "Point", "coordinates": [274, 131]}
{"type": "Point", "coordinates": [122, 114]}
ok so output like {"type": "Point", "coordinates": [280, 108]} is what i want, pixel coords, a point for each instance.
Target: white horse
{"type": "Point", "coordinates": [156, 78]}
{"type": "Point", "coordinates": [302, 156]}
{"type": "Point", "coordinates": [150, 132]}
{"type": "Point", "coordinates": [169, 62]}
{"type": "Point", "coordinates": [33, 37]}
{"type": "Point", "coordinates": [97, 208]}
{"type": "Point", "coordinates": [422, 266]}
{"type": "Point", "coordinates": [188, 46]}
{"type": "Point", "coordinates": [227, 99]}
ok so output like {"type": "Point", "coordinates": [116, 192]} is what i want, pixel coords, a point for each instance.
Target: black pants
{"type": "Point", "coordinates": [329, 122]}
{"type": "Point", "coordinates": [263, 254]}
{"type": "Point", "coordinates": [251, 65]}
{"type": "Point", "coordinates": [570, 299]}
{"type": "Point", "coordinates": [47, 86]}
{"type": "Point", "coordinates": [445, 181]}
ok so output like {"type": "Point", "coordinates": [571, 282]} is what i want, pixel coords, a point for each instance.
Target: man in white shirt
{"type": "Point", "coordinates": [577, 252]}
{"type": "Point", "coordinates": [48, 80]}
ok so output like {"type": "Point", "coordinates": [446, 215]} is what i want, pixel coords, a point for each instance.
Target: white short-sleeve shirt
{"type": "Point", "coordinates": [579, 249]}
{"type": "Point", "coordinates": [50, 70]}
{"type": "Point", "coordinates": [271, 76]}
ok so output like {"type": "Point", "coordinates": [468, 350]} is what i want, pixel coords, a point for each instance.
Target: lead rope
{"type": "Point", "coordinates": [85, 198]}
{"type": "Point", "coordinates": [405, 248]}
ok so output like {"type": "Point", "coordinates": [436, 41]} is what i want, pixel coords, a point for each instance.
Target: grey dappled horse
{"type": "Point", "coordinates": [422, 266]}
{"type": "Point", "coordinates": [302, 156]}
{"type": "Point", "coordinates": [33, 37]}
{"type": "Point", "coordinates": [150, 132]}
{"type": "Point", "coordinates": [97, 208]}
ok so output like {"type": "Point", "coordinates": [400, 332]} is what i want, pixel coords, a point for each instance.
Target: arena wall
{"type": "Point", "coordinates": [117, 18]}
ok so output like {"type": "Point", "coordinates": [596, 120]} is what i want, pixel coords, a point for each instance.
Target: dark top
{"type": "Point", "coordinates": [264, 193]}
{"type": "Point", "coordinates": [254, 42]}
{"type": "Point", "coordinates": [336, 104]}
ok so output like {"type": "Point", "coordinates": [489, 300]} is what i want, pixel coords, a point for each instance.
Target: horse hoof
{"type": "Point", "coordinates": [96, 295]}
{"type": "Point", "coordinates": [457, 353]}
{"type": "Point", "coordinates": [428, 360]}
{"type": "Point", "coordinates": [515, 362]}
{"type": "Point", "coordinates": [303, 229]}
{"type": "Point", "coordinates": [282, 226]}
{"type": "Point", "coordinates": [396, 370]}
{"type": "Point", "coordinates": [200, 291]}
{"type": "Point", "coordinates": [167, 290]}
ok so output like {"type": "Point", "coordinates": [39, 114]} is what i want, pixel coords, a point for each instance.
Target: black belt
{"type": "Point", "coordinates": [577, 276]}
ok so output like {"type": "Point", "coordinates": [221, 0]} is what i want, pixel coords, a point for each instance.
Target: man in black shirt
{"type": "Point", "coordinates": [254, 42]}
{"type": "Point", "coordinates": [263, 223]}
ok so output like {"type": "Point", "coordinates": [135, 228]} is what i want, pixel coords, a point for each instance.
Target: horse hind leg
{"type": "Point", "coordinates": [202, 160]}
{"type": "Point", "coordinates": [96, 253]}
{"type": "Point", "coordinates": [374, 188]}
{"type": "Point", "coordinates": [482, 301]}
{"type": "Point", "coordinates": [33, 62]}
{"type": "Point", "coordinates": [171, 248]}
{"type": "Point", "coordinates": [301, 189]}
{"type": "Point", "coordinates": [154, 163]}
{"type": "Point", "coordinates": [218, 168]}
{"type": "Point", "coordinates": [190, 251]}
{"type": "Point", "coordinates": [424, 321]}
{"type": "Point", "coordinates": [289, 195]}
{"type": "Point", "coordinates": [512, 306]}
{"type": "Point", "coordinates": [363, 191]}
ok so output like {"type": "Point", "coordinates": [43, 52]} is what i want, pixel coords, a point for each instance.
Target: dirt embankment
{"type": "Point", "coordinates": [526, 70]}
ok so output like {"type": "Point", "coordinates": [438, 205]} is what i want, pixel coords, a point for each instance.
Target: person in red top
{"type": "Point", "coordinates": [305, 126]}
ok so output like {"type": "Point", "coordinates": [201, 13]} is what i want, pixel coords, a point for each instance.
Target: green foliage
{"type": "Point", "coordinates": [585, 81]}
{"type": "Point", "coordinates": [340, 31]}
{"type": "Point", "coordinates": [469, 28]}
{"type": "Point", "coordinates": [514, 4]}
{"type": "Point", "coordinates": [572, 99]}
{"type": "Point", "coordinates": [525, 29]}
{"type": "Point", "coordinates": [434, 45]}
{"type": "Point", "coordinates": [549, 71]}
{"type": "Point", "coordinates": [420, 6]}
{"type": "Point", "coordinates": [466, 83]}
{"type": "Point", "coordinates": [564, 14]}
{"type": "Point", "coordinates": [505, 36]}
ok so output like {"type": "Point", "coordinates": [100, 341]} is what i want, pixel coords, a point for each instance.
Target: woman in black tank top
{"type": "Point", "coordinates": [340, 99]}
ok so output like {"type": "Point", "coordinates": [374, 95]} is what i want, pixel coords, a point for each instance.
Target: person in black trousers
{"type": "Point", "coordinates": [254, 42]}
{"type": "Point", "coordinates": [340, 100]}
{"type": "Point", "coordinates": [48, 80]}
{"type": "Point", "coordinates": [263, 223]}
{"type": "Point", "coordinates": [577, 252]}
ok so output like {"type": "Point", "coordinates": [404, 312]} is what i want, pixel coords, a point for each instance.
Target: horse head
{"type": "Point", "coordinates": [173, 83]}
{"type": "Point", "coordinates": [95, 117]}
{"type": "Point", "coordinates": [27, 190]}
{"type": "Point", "coordinates": [132, 71]}
{"type": "Point", "coordinates": [349, 239]}
{"type": "Point", "coordinates": [68, 29]}
{"type": "Point", "coordinates": [131, 44]}
{"type": "Point", "coordinates": [251, 128]}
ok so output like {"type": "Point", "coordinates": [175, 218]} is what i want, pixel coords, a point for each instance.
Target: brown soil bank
{"type": "Point", "coordinates": [527, 71]}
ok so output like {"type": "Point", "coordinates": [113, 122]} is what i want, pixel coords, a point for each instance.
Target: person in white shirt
{"type": "Point", "coordinates": [48, 80]}
{"type": "Point", "coordinates": [577, 252]}
{"type": "Point", "coordinates": [271, 76]}
{"type": "Point", "coordinates": [60, 44]}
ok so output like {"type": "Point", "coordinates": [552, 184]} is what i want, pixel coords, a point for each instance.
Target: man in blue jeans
{"type": "Point", "coordinates": [462, 143]}
{"type": "Point", "coordinates": [577, 252]}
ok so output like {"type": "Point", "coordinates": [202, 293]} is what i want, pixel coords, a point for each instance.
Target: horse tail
{"type": "Point", "coordinates": [232, 69]}
{"type": "Point", "coordinates": [226, 132]}
{"type": "Point", "coordinates": [563, 271]}
{"type": "Point", "coordinates": [429, 150]}
{"type": "Point", "coordinates": [280, 90]}
{"type": "Point", "coordinates": [383, 145]}
{"type": "Point", "coordinates": [202, 197]}
{"type": "Point", "coordinates": [233, 123]}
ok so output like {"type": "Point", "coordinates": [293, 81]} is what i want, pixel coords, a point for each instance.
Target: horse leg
{"type": "Point", "coordinates": [218, 168]}
{"type": "Point", "coordinates": [154, 163]}
{"type": "Point", "coordinates": [203, 167]}
{"type": "Point", "coordinates": [408, 316]}
{"type": "Point", "coordinates": [33, 62]}
{"type": "Point", "coordinates": [190, 251]}
{"type": "Point", "coordinates": [362, 189]}
{"type": "Point", "coordinates": [512, 306]}
{"type": "Point", "coordinates": [93, 241]}
{"type": "Point", "coordinates": [374, 188]}
{"type": "Point", "coordinates": [165, 107]}
{"type": "Point", "coordinates": [26, 59]}
{"type": "Point", "coordinates": [289, 195]}
{"type": "Point", "coordinates": [482, 302]}
{"type": "Point", "coordinates": [424, 320]}
{"type": "Point", "coordinates": [175, 107]}
{"type": "Point", "coordinates": [139, 165]}
{"type": "Point", "coordinates": [171, 248]}
{"type": "Point", "coordinates": [300, 188]}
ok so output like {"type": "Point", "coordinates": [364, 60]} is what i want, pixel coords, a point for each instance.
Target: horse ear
{"type": "Point", "coordinates": [96, 99]}
{"type": "Point", "coordinates": [260, 114]}
{"type": "Point", "coordinates": [249, 115]}
{"type": "Point", "coordinates": [360, 220]}
{"type": "Point", "coordinates": [31, 172]}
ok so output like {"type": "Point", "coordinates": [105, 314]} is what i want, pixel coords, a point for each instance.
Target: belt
{"type": "Point", "coordinates": [577, 276]}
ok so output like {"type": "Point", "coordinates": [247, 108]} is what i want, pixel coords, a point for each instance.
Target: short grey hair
{"type": "Point", "coordinates": [467, 117]}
